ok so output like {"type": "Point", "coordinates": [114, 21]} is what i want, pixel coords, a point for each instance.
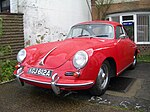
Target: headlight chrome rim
{"type": "Point", "coordinates": [21, 55]}
{"type": "Point", "coordinates": [80, 54]}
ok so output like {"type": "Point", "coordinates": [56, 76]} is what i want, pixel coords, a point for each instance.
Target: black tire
{"type": "Point", "coordinates": [134, 62]}
{"type": "Point", "coordinates": [103, 79]}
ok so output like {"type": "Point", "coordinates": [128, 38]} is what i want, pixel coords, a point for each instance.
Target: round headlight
{"type": "Point", "coordinates": [21, 55]}
{"type": "Point", "coordinates": [80, 59]}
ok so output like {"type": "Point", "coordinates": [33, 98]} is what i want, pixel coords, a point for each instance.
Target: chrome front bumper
{"type": "Point", "coordinates": [55, 86]}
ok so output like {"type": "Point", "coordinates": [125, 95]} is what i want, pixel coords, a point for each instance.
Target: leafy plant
{"type": "Point", "coordinates": [5, 50]}
{"type": "Point", "coordinates": [6, 69]}
{"type": "Point", "coordinates": [6, 65]}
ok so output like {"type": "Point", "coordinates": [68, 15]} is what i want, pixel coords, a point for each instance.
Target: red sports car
{"type": "Point", "coordinates": [92, 53]}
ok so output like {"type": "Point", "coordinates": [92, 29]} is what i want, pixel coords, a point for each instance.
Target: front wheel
{"type": "Point", "coordinates": [102, 80]}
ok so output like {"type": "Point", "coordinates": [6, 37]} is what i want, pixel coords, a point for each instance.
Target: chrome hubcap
{"type": "Point", "coordinates": [134, 62]}
{"type": "Point", "coordinates": [104, 76]}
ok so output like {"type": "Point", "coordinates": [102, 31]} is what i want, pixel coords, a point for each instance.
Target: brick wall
{"type": "Point", "coordinates": [12, 37]}
{"type": "Point", "coordinates": [123, 6]}
{"type": "Point", "coordinates": [130, 6]}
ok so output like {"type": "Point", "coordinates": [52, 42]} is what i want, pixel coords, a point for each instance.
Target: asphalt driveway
{"type": "Point", "coordinates": [15, 98]}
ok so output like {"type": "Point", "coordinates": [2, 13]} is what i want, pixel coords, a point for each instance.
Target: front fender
{"type": "Point", "coordinates": [90, 71]}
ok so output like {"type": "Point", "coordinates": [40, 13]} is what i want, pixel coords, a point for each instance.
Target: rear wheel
{"type": "Point", "coordinates": [134, 62]}
{"type": "Point", "coordinates": [102, 80]}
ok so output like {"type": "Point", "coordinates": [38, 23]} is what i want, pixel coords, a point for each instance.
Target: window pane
{"type": "Point", "coordinates": [125, 18]}
{"type": "Point", "coordinates": [143, 28]}
{"type": "Point", "coordinates": [116, 19]}
{"type": "Point", "coordinates": [119, 32]}
{"type": "Point", "coordinates": [5, 5]}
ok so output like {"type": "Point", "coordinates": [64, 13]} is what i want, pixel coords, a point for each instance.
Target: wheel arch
{"type": "Point", "coordinates": [113, 66]}
{"type": "Point", "coordinates": [137, 51]}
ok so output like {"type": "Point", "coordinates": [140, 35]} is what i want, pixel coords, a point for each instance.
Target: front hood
{"type": "Point", "coordinates": [56, 54]}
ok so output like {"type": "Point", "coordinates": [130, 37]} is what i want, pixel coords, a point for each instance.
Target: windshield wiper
{"type": "Point", "coordinates": [83, 35]}
{"type": "Point", "coordinates": [101, 35]}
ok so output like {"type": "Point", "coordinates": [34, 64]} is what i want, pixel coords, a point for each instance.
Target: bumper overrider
{"type": "Point", "coordinates": [54, 83]}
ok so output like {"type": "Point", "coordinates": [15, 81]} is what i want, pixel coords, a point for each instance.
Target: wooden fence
{"type": "Point", "coordinates": [11, 35]}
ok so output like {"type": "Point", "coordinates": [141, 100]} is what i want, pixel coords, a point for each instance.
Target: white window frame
{"type": "Point", "coordinates": [136, 28]}
{"type": "Point", "coordinates": [134, 20]}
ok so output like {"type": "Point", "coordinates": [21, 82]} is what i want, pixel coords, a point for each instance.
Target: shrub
{"type": "Point", "coordinates": [6, 69]}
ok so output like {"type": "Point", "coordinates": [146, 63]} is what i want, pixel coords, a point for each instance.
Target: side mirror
{"type": "Point", "coordinates": [63, 34]}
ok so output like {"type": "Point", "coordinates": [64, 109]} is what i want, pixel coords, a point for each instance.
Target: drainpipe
{"type": "Point", "coordinates": [90, 10]}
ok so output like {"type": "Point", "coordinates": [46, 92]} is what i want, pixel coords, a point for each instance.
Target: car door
{"type": "Point", "coordinates": [130, 47]}
{"type": "Point", "coordinates": [123, 49]}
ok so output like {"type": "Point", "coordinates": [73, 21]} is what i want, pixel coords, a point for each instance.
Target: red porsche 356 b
{"type": "Point", "coordinates": [92, 53]}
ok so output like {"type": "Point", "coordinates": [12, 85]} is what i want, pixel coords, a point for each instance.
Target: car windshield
{"type": "Point", "coordinates": [91, 30]}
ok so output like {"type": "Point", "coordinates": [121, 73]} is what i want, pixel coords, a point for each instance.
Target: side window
{"type": "Point", "coordinates": [120, 33]}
